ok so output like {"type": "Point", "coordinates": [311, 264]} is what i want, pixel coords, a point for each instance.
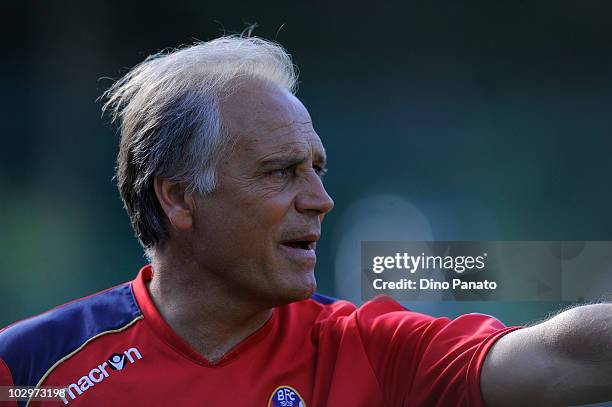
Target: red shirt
{"type": "Point", "coordinates": [113, 348]}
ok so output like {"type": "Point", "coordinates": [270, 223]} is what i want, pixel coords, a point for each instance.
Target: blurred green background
{"type": "Point", "coordinates": [442, 120]}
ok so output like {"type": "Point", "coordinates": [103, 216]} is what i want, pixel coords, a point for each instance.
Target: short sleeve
{"type": "Point", "coordinates": [420, 360]}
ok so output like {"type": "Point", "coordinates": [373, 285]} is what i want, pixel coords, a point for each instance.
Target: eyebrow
{"type": "Point", "coordinates": [293, 158]}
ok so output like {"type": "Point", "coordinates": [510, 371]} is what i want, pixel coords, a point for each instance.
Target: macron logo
{"type": "Point", "coordinates": [115, 363]}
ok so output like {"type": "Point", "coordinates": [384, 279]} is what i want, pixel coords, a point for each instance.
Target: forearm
{"type": "Point", "coordinates": [566, 360]}
{"type": "Point", "coordinates": [580, 339]}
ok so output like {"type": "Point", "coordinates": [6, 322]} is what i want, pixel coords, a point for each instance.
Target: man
{"type": "Point", "coordinates": [220, 172]}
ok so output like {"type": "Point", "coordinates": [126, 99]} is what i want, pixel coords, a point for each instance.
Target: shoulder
{"type": "Point", "coordinates": [31, 347]}
{"type": "Point", "coordinates": [325, 308]}
{"type": "Point", "coordinates": [335, 317]}
{"type": "Point", "coordinates": [330, 308]}
{"type": "Point", "coordinates": [385, 319]}
{"type": "Point", "coordinates": [318, 307]}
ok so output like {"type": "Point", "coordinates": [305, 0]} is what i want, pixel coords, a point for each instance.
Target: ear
{"type": "Point", "coordinates": [177, 204]}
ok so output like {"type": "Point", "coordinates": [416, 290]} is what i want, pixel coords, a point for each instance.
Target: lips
{"type": "Point", "coordinates": [301, 249]}
{"type": "Point", "coordinates": [304, 242]}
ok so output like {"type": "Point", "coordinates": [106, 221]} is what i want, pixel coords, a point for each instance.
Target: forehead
{"type": "Point", "coordinates": [269, 120]}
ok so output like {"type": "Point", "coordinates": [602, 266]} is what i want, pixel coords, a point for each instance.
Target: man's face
{"type": "Point", "coordinates": [257, 232]}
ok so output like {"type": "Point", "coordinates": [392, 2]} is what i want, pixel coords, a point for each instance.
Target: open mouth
{"type": "Point", "coordinates": [307, 242]}
{"type": "Point", "coordinates": [301, 244]}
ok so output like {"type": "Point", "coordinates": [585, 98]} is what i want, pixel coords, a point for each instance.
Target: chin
{"type": "Point", "coordinates": [308, 291]}
{"type": "Point", "coordinates": [299, 292]}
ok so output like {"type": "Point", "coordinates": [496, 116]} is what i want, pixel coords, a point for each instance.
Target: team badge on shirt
{"type": "Point", "coordinates": [286, 396]}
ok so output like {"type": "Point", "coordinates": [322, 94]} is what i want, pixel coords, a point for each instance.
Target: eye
{"type": "Point", "coordinates": [281, 172]}
{"type": "Point", "coordinates": [320, 170]}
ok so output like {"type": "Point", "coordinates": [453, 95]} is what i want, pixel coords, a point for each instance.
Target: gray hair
{"type": "Point", "coordinates": [170, 123]}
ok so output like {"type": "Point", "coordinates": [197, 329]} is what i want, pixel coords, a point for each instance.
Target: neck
{"type": "Point", "coordinates": [201, 310]}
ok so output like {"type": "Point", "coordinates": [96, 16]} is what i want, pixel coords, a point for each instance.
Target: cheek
{"type": "Point", "coordinates": [271, 217]}
{"type": "Point", "coordinates": [242, 216]}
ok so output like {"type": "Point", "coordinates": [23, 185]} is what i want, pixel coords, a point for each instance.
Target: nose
{"type": "Point", "coordinates": [313, 198]}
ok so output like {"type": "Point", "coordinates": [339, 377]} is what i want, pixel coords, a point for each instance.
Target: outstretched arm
{"type": "Point", "coordinates": [566, 360]}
